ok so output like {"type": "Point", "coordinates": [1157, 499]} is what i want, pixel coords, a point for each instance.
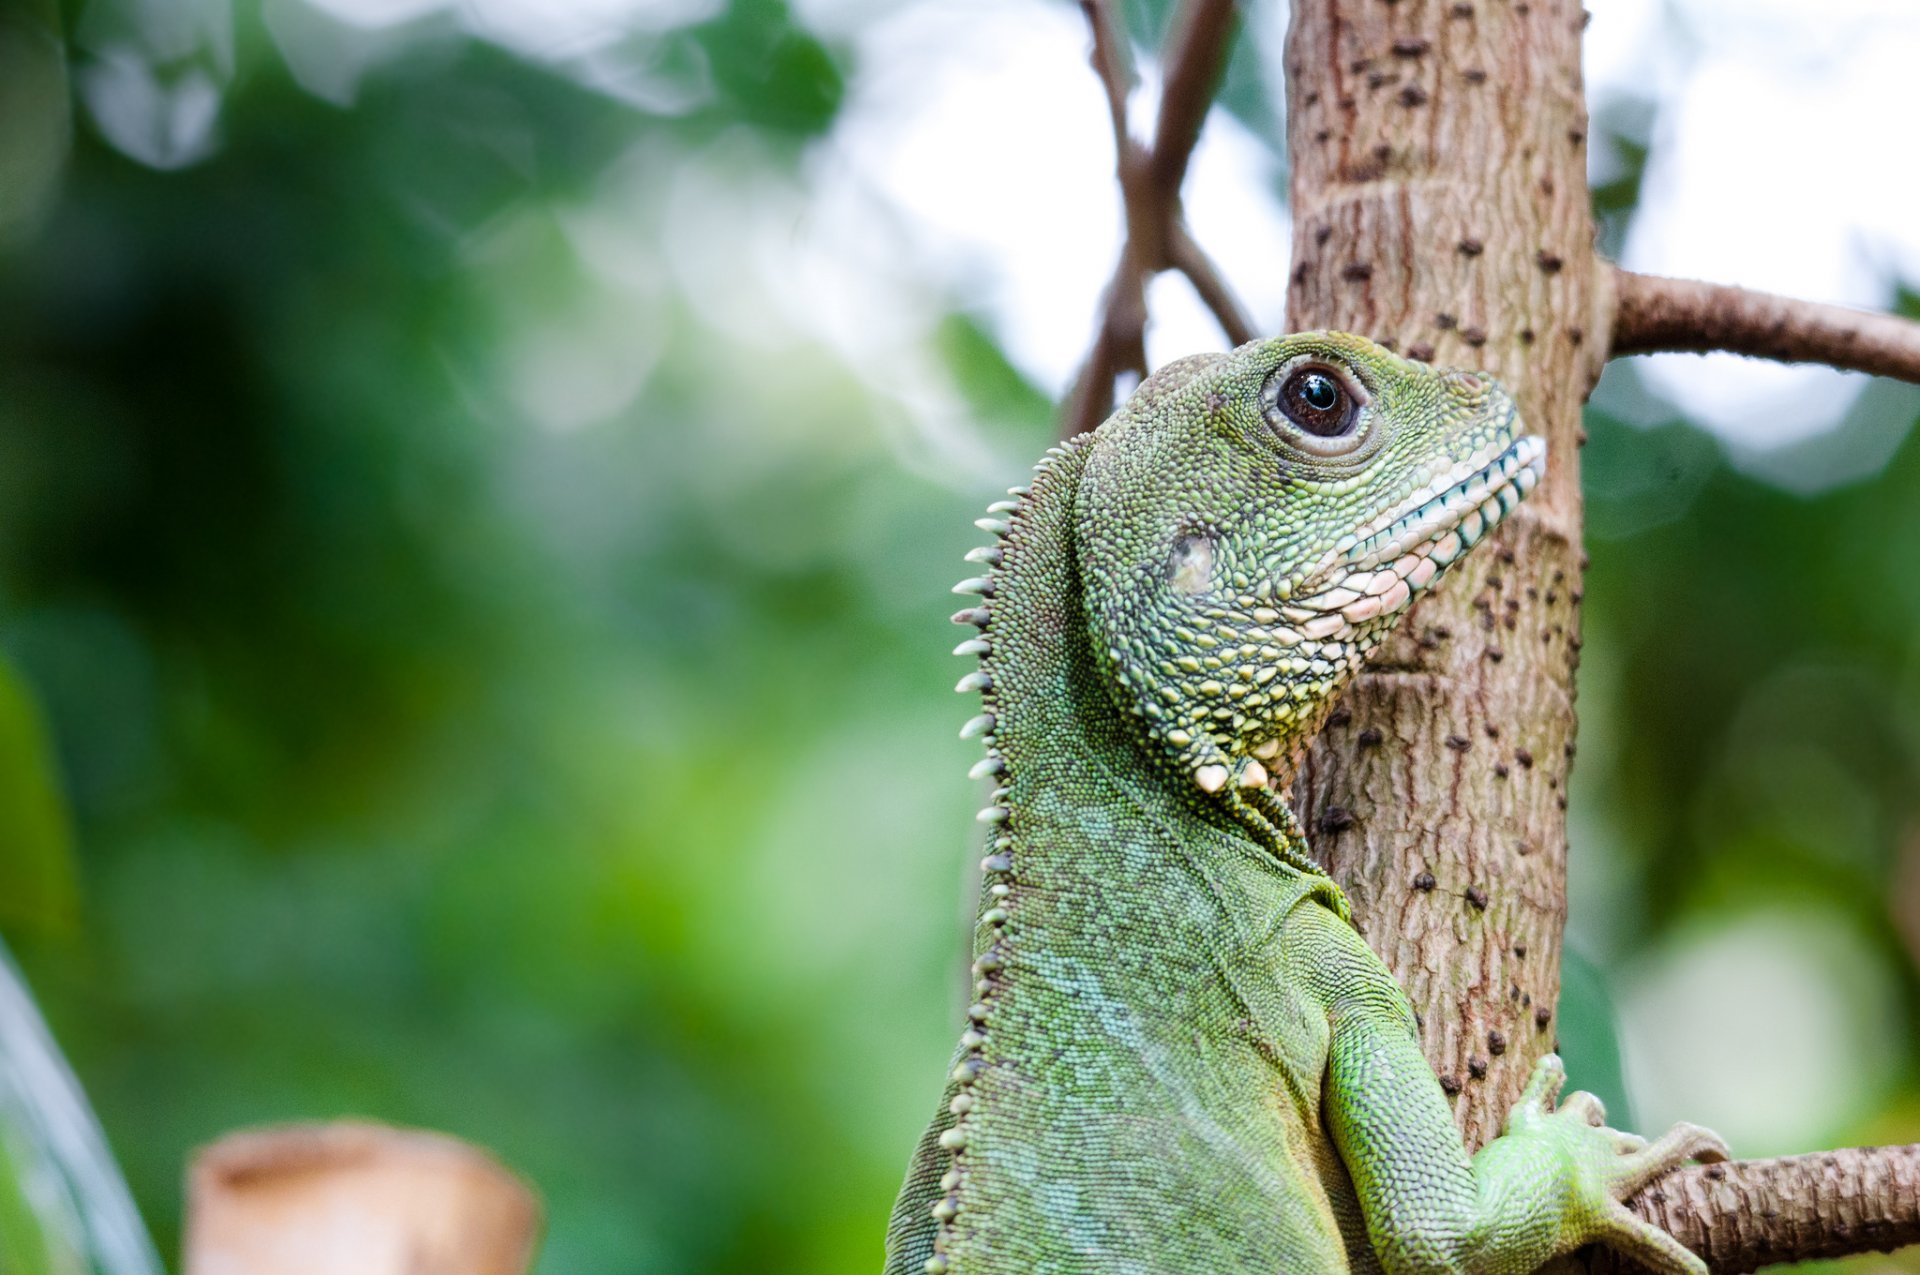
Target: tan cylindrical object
{"type": "Point", "coordinates": [355, 1198]}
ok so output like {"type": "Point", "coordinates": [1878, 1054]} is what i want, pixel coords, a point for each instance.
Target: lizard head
{"type": "Point", "coordinates": [1250, 525]}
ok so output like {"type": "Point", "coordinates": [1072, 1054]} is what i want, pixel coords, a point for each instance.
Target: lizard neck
{"type": "Point", "coordinates": [1051, 720]}
{"type": "Point", "coordinates": [1050, 715]}
{"type": "Point", "coordinates": [1053, 728]}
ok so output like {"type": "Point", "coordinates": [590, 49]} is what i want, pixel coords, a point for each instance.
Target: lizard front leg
{"type": "Point", "coordinates": [1551, 1183]}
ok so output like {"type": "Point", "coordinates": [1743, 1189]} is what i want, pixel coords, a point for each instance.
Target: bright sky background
{"type": "Point", "coordinates": [972, 164]}
{"type": "Point", "coordinates": [979, 127]}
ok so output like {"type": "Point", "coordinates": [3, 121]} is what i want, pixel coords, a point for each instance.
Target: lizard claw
{"type": "Point", "coordinates": [1633, 1236]}
{"type": "Point", "coordinates": [1536, 1100]}
{"type": "Point", "coordinates": [1607, 1166]}
{"type": "Point", "coordinates": [1636, 1163]}
{"type": "Point", "coordinates": [1639, 1163]}
{"type": "Point", "coordinates": [1640, 1241]}
{"type": "Point", "coordinates": [1583, 1106]}
{"type": "Point", "coordinates": [1672, 1149]}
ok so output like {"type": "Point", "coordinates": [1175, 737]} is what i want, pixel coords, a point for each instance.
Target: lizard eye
{"type": "Point", "coordinates": [1318, 403]}
{"type": "Point", "coordinates": [1316, 407]}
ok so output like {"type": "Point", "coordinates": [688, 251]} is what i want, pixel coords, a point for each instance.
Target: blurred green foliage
{"type": "Point", "coordinates": [586, 787]}
{"type": "Point", "coordinates": [37, 885]}
{"type": "Point", "coordinates": [28, 1245]}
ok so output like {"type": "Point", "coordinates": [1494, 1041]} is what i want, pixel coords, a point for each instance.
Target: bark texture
{"type": "Point", "coordinates": [1150, 175]}
{"type": "Point", "coordinates": [1686, 314]}
{"type": "Point", "coordinates": [1743, 1216]}
{"type": "Point", "coordinates": [1440, 206]}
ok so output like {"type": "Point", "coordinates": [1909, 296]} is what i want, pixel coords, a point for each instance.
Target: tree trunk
{"type": "Point", "coordinates": [1440, 206]}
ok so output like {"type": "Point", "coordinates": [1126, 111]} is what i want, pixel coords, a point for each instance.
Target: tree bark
{"type": "Point", "coordinates": [1686, 314]}
{"type": "Point", "coordinates": [1747, 1215]}
{"type": "Point", "coordinates": [1440, 206]}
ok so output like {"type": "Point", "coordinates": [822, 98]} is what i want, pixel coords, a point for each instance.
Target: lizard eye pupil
{"type": "Point", "coordinates": [1318, 403]}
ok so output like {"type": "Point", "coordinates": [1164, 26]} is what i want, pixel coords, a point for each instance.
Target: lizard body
{"type": "Point", "coordinates": [1181, 1057]}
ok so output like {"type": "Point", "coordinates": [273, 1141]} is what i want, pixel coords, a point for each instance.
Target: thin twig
{"type": "Point", "coordinates": [1113, 63]}
{"type": "Point", "coordinates": [1119, 340]}
{"type": "Point", "coordinates": [1186, 255]}
{"type": "Point", "coordinates": [1752, 1213]}
{"type": "Point", "coordinates": [1659, 314]}
{"type": "Point", "coordinates": [1092, 394]}
{"type": "Point", "coordinates": [1119, 346]}
{"type": "Point", "coordinates": [1196, 54]}
{"type": "Point", "coordinates": [1149, 179]}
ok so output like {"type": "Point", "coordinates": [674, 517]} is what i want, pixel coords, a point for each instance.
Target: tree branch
{"type": "Point", "coordinates": [1186, 255]}
{"type": "Point", "coordinates": [1118, 346]}
{"type": "Point", "coordinates": [1150, 178]}
{"type": "Point", "coordinates": [1113, 63]}
{"type": "Point", "coordinates": [1196, 54]}
{"type": "Point", "coordinates": [1753, 1213]}
{"type": "Point", "coordinates": [1433, 212]}
{"type": "Point", "coordinates": [1658, 314]}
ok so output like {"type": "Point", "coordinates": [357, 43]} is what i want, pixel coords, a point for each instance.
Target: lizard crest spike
{"type": "Point", "coordinates": [987, 767]}
{"type": "Point", "coordinates": [1179, 1056]}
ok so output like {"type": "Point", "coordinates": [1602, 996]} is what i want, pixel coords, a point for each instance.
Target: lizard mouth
{"type": "Point", "coordinates": [1377, 570]}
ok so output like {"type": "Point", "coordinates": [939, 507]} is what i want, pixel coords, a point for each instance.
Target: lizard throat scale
{"type": "Point", "coordinates": [1179, 1055]}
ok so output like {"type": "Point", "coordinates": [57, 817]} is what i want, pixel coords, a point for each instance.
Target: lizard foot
{"type": "Point", "coordinates": [1609, 1166]}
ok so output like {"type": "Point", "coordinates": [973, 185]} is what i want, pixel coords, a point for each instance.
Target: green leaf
{"type": "Point", "coordinates": [36, 130]}
{"type": "Point", "coordinates": [38, 883]}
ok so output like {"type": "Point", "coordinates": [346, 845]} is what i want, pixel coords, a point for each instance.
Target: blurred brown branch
{"type": "Point", "coordinates": [1659, 314]}
{"type": "Point", "coordinates": [1150, 176]}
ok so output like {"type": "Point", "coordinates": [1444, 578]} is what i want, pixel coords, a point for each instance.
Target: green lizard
{"type": "Point", "coordinates": [1181, 1057]}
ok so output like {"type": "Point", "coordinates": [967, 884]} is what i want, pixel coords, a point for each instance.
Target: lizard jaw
{"type": "Point", "coordinates": [1376, 571]}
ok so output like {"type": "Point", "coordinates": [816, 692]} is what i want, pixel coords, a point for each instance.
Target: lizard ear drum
{"type": "Point", "coordinates": [1190, 567]}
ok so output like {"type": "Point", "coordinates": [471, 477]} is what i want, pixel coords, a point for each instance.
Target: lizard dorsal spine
{"type": "Point", "coordinates": [1021, 538]}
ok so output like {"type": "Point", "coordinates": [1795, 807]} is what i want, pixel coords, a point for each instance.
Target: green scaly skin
{"type": "Point", "coordinates": [1181, 1056]}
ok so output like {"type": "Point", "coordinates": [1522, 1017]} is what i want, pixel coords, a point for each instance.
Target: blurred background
{"type": "Point", "coordinates": [479, 481]}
